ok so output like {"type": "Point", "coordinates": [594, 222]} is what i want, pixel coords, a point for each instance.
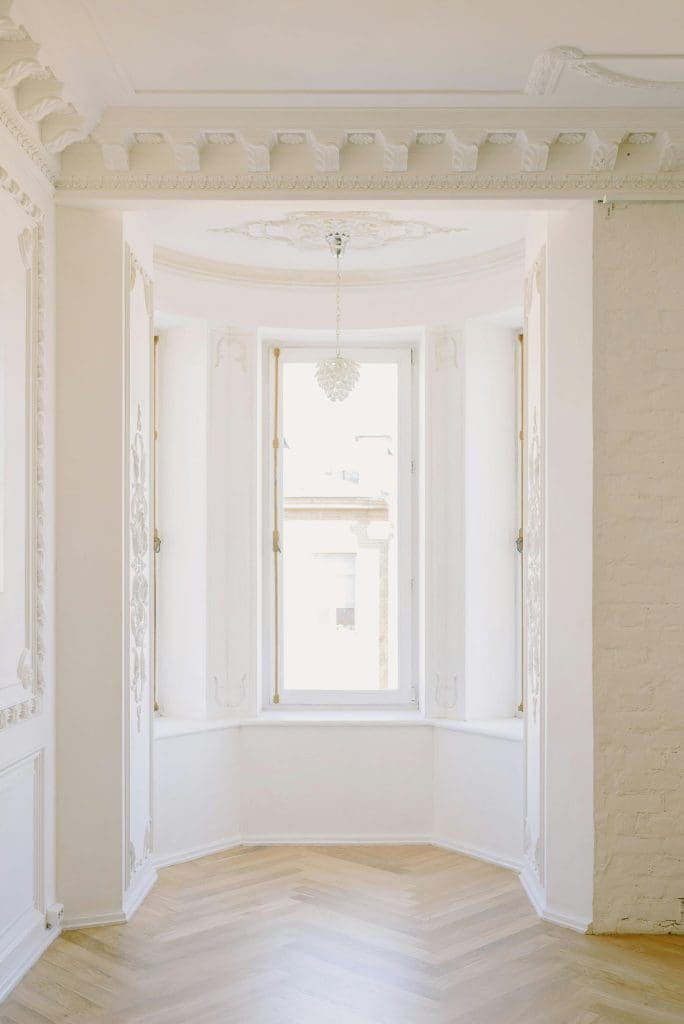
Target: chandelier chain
{"type": "Point", "coordinates": [338, 307]}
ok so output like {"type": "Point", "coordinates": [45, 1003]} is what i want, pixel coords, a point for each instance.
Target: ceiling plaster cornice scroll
{"type": "Point", "coordinates": [494, 261]}
{"type": "Point", "coordinates": [548, 67]}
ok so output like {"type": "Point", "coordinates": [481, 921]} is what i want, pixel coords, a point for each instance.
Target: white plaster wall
{"type": "Point", "coordinates": [489, 494]}
{"type": "Point", "coordinates": [478, 794]}
{"type": "Point", "coordinates": [444, 524]}
{"type": "Point", "coordinates": [266, 782]}
{"type": "Point", "coordinates": [27, 750]}
{"type": "Point", "coordinates": [232, 523]}
{"type": "Point", "coordinates": [569, 726]}
{"type": "Point", "coordinates": [558, 686]}
{"type": "Point", "coordinates": [90, 548]}
{"type": "Point", "coordinates": [197, 793]}
{"type": "Point", "coordinates": [638, 563]}
{"type": "Point", "coordinates": [332, 782]}
{"type": "Point", "coordinates": [104, 744]}
{"type": "Point", "coordinates": [182, 563]}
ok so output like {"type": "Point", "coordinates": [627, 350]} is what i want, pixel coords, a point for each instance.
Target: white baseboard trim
{"type": "Point", "coordinates": [132, 901]}
{"type": "Point", "coordinates": [535, 895]}
{"type": "Point", "coordinates": [501, 860]}
{"type": "Point", "coordinates": [138, 890]}
{"type": "Point", "coordinates": [196, 852]}
{"type": "Point", "coordinates": [70, 924]}
{"type": "Point", "coordinates": [270, 839]}
{"type": "Point", "coordinates": [220, 845]}
{"type": "Point", "coordinates": [23, 956]}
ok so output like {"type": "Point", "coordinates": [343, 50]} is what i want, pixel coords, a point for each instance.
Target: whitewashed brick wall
{"type": "Point", "coordinates": [639, 568]}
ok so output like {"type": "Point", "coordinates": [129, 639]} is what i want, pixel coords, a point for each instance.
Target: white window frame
{"type": "Point", "coordinates": [406, 694]}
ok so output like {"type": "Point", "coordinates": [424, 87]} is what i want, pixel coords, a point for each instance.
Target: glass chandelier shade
{"type": "Point", "coordinates": [337, 377]}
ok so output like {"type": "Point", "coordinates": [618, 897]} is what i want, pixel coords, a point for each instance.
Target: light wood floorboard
{"type": "Point", "coordinates": [346, 935]}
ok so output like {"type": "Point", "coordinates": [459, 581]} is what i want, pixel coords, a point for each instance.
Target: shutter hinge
{"type": "Point", "coordinates": [519, 542]}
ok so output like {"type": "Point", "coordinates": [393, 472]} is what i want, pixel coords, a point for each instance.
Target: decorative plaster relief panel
{"type": "Point", "coordinates": [22, 458]}
{"type": "Point", "coordinates": [366, 229]}
{"type": "Point", "coordinates": [533, 567]}
{"type": "Point", "coordinates": [139, 658]}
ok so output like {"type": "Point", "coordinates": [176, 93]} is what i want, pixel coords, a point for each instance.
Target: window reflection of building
{"type": "Point", "coordinates": [345, 597]}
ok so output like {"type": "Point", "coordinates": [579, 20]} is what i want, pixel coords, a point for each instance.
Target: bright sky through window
{"type": "Point", "coordinates": [340, 531]}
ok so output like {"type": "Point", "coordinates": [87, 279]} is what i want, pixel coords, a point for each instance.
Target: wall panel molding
{"type": "Point", "coordinates": [138, 330]}
{"type": "Point", "coordinates": [534, 602]}
{"type": "Point", "coordinates": [25, 700]}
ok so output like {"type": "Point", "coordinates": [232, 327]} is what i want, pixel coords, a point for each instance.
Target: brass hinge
{"type": "Point", "coordinates": [519, 542]}
{"type": "Point", "coordinates": [157, 541]}
{"type": "Point", "coordinates": [276, 542]}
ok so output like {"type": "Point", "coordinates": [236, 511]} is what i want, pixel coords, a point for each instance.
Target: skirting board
{"type": "Point", "coordinates": [536, 897]}
{"type": "Point", "coordinates": [501, 860]}
{"type": "Point", "coordinates": [132, 901]}
{"type": "Point", "coordinates": [24, 955]}
{"type": "Point", "coordinates": [138, 890]}
{"type": "Point", "coordinates": [195, 853]}
{"type": "Point", "coordinates": [347, 840]}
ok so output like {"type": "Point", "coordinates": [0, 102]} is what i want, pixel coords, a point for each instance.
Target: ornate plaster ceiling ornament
{"type": "Point", "coordinates": [571, 138]}
{"type": "Point", "coordinates": [337, 377]}
{"type": "Point", "coordinates": [549, 66]}
{"type": "Point", "coordinates": [501, 138]}
{"type": "Point", "coordinates": [309, 230]}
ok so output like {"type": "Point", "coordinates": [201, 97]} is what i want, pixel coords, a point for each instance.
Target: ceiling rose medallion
{"type": "Point", "coordinates": [338, 376]}
{"type": "Point", "coordinates": [310, 229]}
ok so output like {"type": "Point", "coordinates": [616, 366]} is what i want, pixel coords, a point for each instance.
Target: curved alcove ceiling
{"type": "Point", "coordinates": [285, 243]}
{"type": "Point", "coordinates": [491, 261]}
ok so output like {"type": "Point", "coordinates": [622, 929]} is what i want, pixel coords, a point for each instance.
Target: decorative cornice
{"type": "Point", "coordinates": [28, 144]}
{"type": "Point", "coordinates": [37, 96]}
{"type": "Point", "coordinates": [494, 261]}
{"type": "Point", "coordinates": [549, 66]}
{"type": "Point", "coordinates": [594, 185]}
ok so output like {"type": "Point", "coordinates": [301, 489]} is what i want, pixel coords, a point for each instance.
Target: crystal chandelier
{"type": "Point", "coordinates": [337, 376]}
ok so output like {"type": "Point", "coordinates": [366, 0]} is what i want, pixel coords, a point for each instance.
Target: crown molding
{"type": "Point", "coordinates": [466, 151]}
{"type": "Point", "coordinates": [35, 106]}
{"type": "Point", "coordinates": [44, 161]}
{"type": "Point", "coordinates": [549, 186]}
{"type": "Point", "coordinates": [493, 261]}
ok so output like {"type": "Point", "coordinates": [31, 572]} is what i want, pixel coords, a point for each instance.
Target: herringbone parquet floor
{"type": "Point", "coordinates": [335, 935]}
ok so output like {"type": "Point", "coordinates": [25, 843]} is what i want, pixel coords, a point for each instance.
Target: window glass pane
{"type": "Point", "coordinates": [339, 531]}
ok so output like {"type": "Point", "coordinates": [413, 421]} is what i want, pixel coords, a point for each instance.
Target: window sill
{"type": "Point", "coordinates": [505, 728]}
